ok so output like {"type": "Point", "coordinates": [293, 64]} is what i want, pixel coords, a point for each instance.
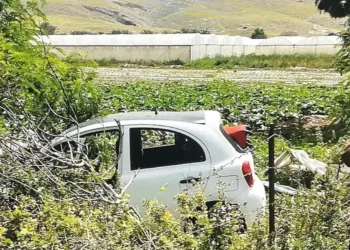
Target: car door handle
{"type": "Point", "coordinates": [190, 179]}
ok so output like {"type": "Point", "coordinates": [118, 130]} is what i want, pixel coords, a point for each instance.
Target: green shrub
{"type": "Point", "coordinates": [82, 32]}
{"type": "Point", "coordinates": [239, 62]}
{"type": "Point", "coordinates": [170, 32]}
{"type": "Point", "coordinates": [194, 30]}
{"type": "Point", "coordinates": [258, 33]}
{"type": "Point", "coordinates": [144, 31]}
{"type": "Point", "coordinates": [121, 32]}
{"type": "Point", "coordinates": [48, 28]}
{"type": "Point", "coordinates": [264, 61]}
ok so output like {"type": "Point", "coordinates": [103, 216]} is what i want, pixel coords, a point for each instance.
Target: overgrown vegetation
{"type": "Point", "coordinates": [258, 33]}
{"type": "Point", "coordinates": [255, 104]}
{"type": "Point", "coordinates": [53, 29]}
{"type": "Point", "coordinates": [233, 62]}
{"type": "Point", "coordinates": [125, 32]}
{"type": "Point", "coordinates": [264, 61]}
{"type": "Point", "coordinates": [83, 32]}
{"type": "Point", "coordinates": [200, 31]}
{"type": "Point", "coordinates": [48, 29]}
{"type": "Point", "coordinates": [145, 31]}
{"type": "Point", "coordinates": [55, 202]}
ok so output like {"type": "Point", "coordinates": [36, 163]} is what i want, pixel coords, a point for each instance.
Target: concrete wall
{"type": "Point", "coordinates": [131, 53]}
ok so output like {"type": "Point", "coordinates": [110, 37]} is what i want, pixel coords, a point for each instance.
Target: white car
{"type": "Point", "coordinates": [172, 149]}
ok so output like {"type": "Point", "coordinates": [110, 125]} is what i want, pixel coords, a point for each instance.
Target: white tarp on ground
{"type": "Point", "coordinates": [306, 163]}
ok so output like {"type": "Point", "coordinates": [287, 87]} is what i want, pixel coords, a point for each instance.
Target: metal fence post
{"type": "Point", "coordinates": [272, 185]}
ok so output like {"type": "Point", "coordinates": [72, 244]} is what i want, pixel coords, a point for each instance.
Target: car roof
{"type": "Point", "coordinates": [197, 117]}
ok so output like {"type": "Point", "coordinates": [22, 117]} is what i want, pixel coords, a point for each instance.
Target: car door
{"type": "Point", "coordinates": [162, 160]}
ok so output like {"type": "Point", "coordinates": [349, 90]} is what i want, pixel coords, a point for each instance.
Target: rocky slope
{"type": "Point", "coordinates": [234, 17]}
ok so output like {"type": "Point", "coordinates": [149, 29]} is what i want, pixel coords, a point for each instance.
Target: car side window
{"type": "Point", "coordinates": [70, 149]}
{"type": "Point", "coordinates": [150, 148]}
{"type": "Point", "coordinates": [100, 149]}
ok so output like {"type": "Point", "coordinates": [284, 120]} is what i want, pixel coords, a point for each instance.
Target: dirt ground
{"type": "Point", "coordinates": [292, 76]}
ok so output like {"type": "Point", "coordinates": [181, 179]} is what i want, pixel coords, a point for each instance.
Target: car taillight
{"type": "Point", "coordinates": [248, 174]}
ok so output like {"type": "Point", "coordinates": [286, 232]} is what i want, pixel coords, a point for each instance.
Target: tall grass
{"type": "Point", "coordinates": [232, 62]}
{"type": "Point", "coordinates": [264, 61]}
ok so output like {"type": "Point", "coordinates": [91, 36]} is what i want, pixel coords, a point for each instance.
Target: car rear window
{"type": "Point", "coordinates": [231, 141]}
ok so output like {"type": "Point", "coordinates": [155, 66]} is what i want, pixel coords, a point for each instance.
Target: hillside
{"type": "Point", "coordinates": [220, 16]}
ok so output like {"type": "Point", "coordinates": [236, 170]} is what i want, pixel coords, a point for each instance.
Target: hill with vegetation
{"type": "Point", "coordinates": [233, 17]}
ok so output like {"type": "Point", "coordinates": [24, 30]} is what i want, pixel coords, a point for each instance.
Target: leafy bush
{"type": "Point", "coordinates": [82, 32]}
{"type": "Point", "coordinates": [194, 30]}
{"type": "Point", "coordinates": [263, 61]}
{"type": "Point", "coordinates": [144, 31]}
{"type": "Point", "coordinates": [343, 66]}
{"type": "Point", "coordinates": [35, 80]}
{"type": "Point", "coordinates": [258, 33]}
{"type": "Point", "coordinates": [48, 28]}
{"type": "Point", "coordinates": [238, 62]}
{"type": "Point", "coordinates": [170, 32]}
{"type": "Point", "coordinates": [121, 32]}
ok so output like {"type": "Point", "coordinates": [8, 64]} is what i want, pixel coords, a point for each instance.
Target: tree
{"type": "Point", "coordinates": [48, 28]}
{"type": "Point", "coordinates": [339, 9]}
{"type": "Point", "coordinates": [258, 33]}
{"type": "Point", "coordinates": [336, 8]}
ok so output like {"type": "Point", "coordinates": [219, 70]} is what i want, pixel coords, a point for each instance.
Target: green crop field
{"type": "Point", "coordinates": [257, 104]}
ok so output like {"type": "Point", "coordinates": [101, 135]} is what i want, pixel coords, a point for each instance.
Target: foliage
{"type": "Point", "coordinates": [116, 63]}
{"type": "Point", "coordinates": [47, 28]}
{"type": "Point", "coordinates": [82, 32]}
{"type": "Point", "coordinates": [342, 64]}
{"type": "Point", "coordinates": [195, 30]}
{"type": "Point", "coordinates": [258, 33]}
{"type": "Point", "coordinates": [34, 80]}
{"type": "Point", "coordinates": [170, 32]}
{"type": "Point", "coordinates": [233, 62]}
{"type": "Point", "coordinates": [317, 216]}
{"type": "Point", "coordinates": [336, 8]}
{"type": "Point", "coordinates": [144, 31]}
{"type": "Point", "coordinates": [263, 61]}
{"type": "Point", "coordinates": [255, 104]}
{"type": "Point", "coordinates": [121, 32]}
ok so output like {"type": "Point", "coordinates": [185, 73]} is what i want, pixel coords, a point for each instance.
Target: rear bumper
{"type": "Point", "coordinates": [252, 201]}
